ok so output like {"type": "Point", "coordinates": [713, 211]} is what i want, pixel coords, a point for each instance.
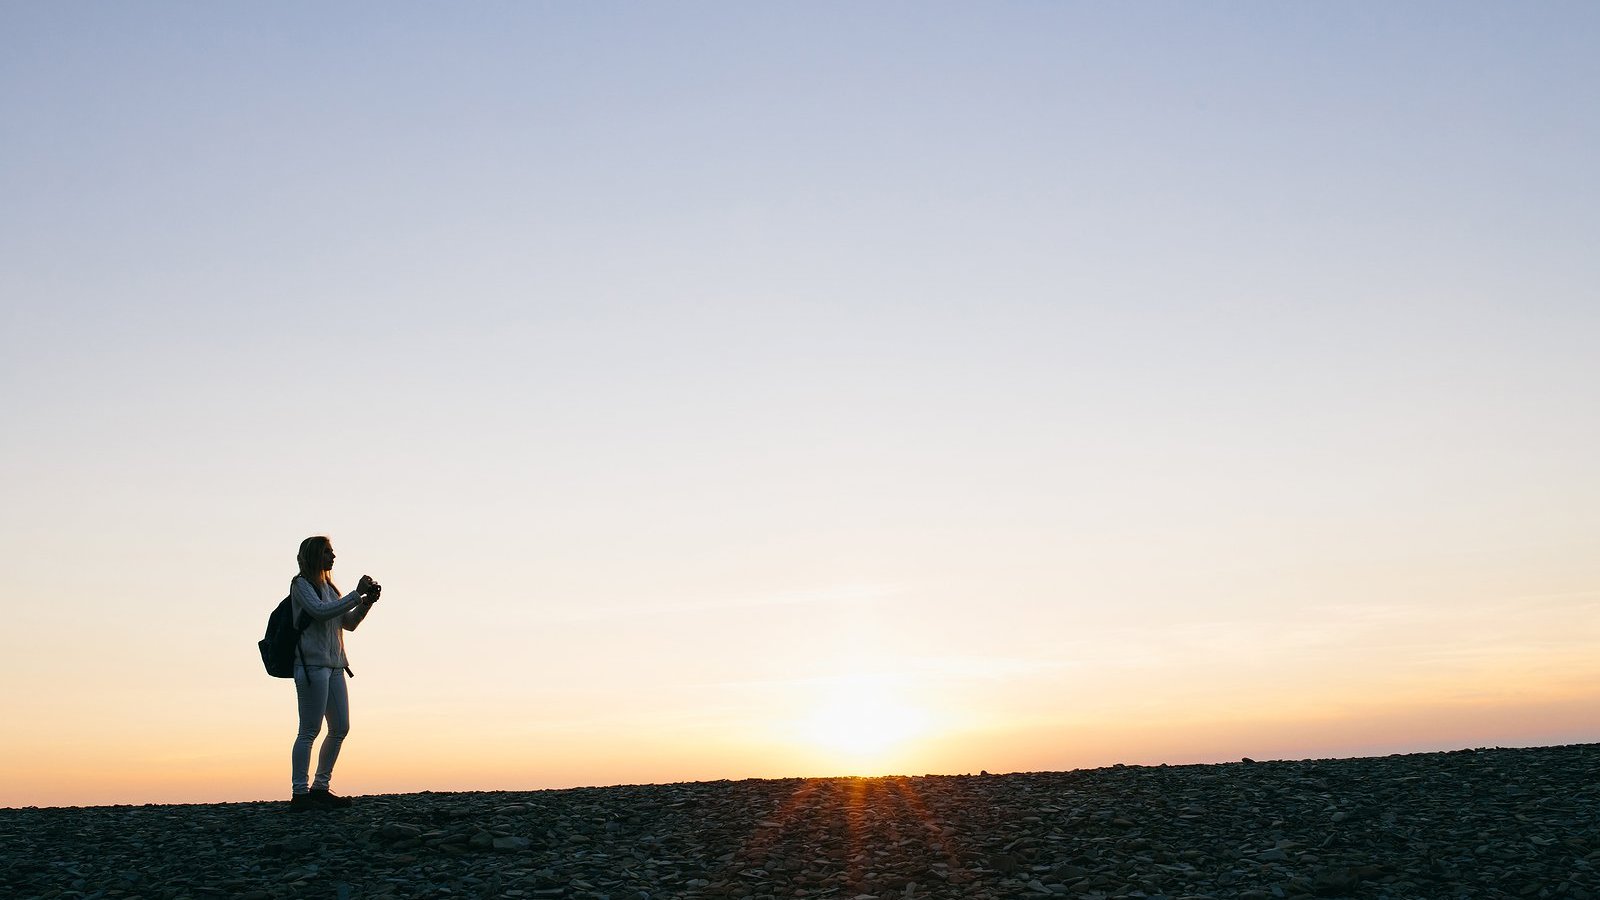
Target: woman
{"type": "Point", "coordinates": [320, 668]}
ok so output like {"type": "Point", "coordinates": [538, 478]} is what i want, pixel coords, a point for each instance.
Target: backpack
{"type": "Point", "coordinates": [282, 639]}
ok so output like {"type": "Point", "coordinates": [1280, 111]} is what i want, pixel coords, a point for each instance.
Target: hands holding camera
{"type": "Point", "coordinates": [369, 589]}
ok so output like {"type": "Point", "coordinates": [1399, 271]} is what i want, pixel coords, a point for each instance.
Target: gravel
{"type": "Point", "coordinates": [1483, 823]}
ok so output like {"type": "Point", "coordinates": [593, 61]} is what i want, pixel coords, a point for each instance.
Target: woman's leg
{"type": "Point", "coordinates": [311, 690]}
{"type": "Point", "coordinates": [338, 711]}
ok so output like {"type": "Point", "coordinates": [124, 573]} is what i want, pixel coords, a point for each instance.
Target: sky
{"type": "Point", "coordinates": [763, 390]}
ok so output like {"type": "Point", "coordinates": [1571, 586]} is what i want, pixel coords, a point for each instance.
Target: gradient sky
{"type": "Point", "coordinates": [727, 390]}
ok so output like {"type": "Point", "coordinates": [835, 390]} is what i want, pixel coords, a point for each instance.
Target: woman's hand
{"type": "Point", "coordinates": [365, 587]}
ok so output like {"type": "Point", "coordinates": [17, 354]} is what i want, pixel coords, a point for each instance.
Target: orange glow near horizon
{"type": "Point", "coordinates": [1190, 702]}
{"type": "Point", "coordinates": [856, 725]}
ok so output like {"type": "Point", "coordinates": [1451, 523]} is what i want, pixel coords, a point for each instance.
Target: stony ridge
{"type": "Point", "coordinates": [1485, 823]}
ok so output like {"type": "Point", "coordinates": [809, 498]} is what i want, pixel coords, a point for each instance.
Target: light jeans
{"type": "Point", "coordinates": [322, 695]}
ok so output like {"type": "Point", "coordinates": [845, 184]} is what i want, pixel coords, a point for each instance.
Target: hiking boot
{"type": "Point", "coordinates": [303, 802]}
{"type": "Point", "coordinates": [328, 799]}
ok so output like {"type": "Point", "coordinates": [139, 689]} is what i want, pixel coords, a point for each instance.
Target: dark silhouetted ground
{"type": "Point", "coordinates": [1489, 823]}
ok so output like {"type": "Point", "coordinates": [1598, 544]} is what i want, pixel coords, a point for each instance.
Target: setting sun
{"type": "Point", "coordinates": [861, 719]}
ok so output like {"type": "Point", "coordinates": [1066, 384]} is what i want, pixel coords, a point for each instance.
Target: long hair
{"type": "Point", "coordinates": [310, 560]}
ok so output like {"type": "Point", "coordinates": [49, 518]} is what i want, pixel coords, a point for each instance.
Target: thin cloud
{"type": "Point", "coordinates": [915, 669]}
{"type": "Point", "coordinates": [853, 594]}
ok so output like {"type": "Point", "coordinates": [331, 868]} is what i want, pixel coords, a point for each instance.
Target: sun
{"type": "Point", "coordinates": [862, 719]}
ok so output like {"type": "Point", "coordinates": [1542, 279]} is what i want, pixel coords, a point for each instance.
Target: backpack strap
{"type": "Point", "coordinates": [300, 630]}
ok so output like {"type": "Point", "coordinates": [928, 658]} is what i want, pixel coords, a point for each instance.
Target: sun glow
{"type": "Point", "coordinates": [860, 720]}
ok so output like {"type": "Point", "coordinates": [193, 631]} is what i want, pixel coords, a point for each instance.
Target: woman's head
{"type": "Point", "coordinates": [315, 558]}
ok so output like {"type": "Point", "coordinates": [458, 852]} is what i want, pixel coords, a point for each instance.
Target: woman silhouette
{"type": "Point", "coordinates": [320, 668]}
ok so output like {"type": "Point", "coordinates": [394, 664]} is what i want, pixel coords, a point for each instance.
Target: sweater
{"type": "Point", "coordinates": [322, 643]}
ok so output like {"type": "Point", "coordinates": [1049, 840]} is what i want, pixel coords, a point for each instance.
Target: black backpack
{"type": "Point", "coordinates": [282, 639]}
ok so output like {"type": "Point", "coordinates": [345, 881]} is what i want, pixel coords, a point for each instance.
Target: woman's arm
{"type": "Point", "coordinates": [351, 619]}
{"type": "Point", "coordinates": [310, 600]}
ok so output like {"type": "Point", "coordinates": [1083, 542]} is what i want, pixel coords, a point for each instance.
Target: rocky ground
{"type": "Point", "coordinates": [1487, 823]}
